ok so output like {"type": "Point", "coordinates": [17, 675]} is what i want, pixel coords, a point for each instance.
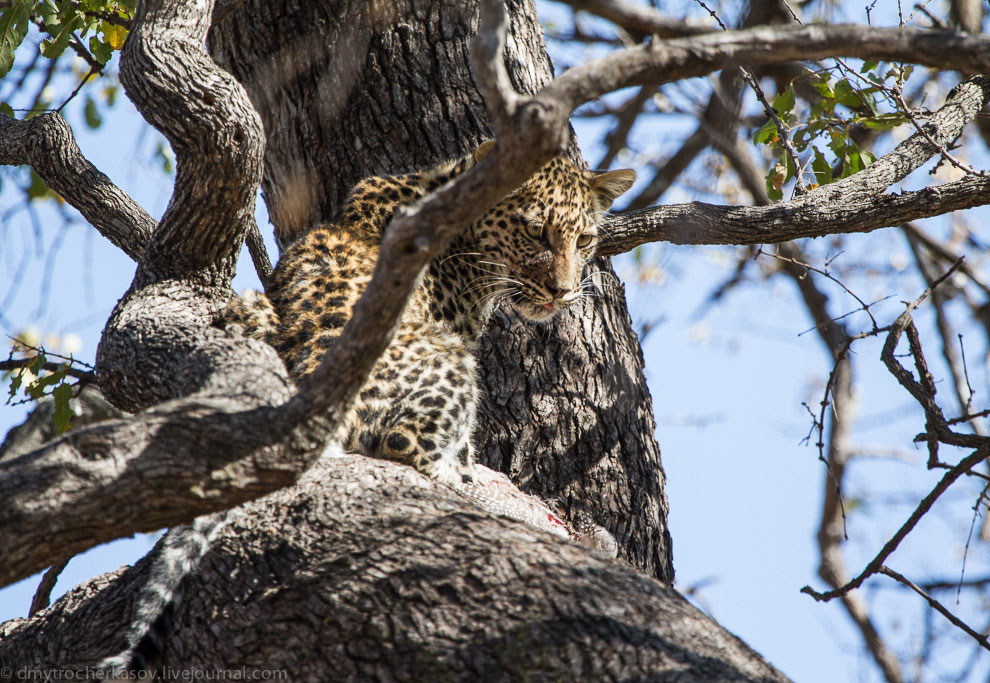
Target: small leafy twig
{"type": "Point", "coordinates": [771, 113]}
{"type": "Point", "coordinates": [20, 363]}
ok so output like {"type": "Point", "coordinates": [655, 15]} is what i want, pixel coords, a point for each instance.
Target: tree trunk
{"type": "Point", "coordinates": [354, 88]}
{"type": "Point", "coordinates": [366, 570]}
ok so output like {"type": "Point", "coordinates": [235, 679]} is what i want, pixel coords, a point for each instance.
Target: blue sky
{"type": "Point", "coordinates": [727, 389]}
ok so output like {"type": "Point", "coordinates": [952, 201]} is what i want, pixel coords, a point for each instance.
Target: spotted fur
{"type": "Point", "coordinates": [418, 405]}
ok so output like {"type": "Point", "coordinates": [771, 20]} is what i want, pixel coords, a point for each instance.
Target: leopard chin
{"type": "Point", "coordinates": [538, 312]}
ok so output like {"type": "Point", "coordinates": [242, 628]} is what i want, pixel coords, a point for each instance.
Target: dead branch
{"type": "Point", "coordinates": [923, 391]}
{"type": "Point", "coordinates": [937, 606]}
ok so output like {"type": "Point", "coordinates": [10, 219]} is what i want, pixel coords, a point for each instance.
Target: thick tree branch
{"type": "Point", "coordinates": [853, 204]}
{"type": "Point", "coordinates": [46, 143]}
{"type": "Point", "coordinates": [161, 467]}
{"type": "Point", "coordinates": [701, 223]}
{"type": "Point", "coordinates": [680, 58]}
{"type": "Point", "coordinates": [208, 119]}
{"type": "Point", "coordinates": [444, 589]}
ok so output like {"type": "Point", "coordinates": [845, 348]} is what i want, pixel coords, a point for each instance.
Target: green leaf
{"type": "Point", "coordinates": [765, 133]}
{"type": "Point", "coordinates": [37, 189]}
{"type": "Point", "coordinates": [852, 162]}
{"type": "Point", "coordinates": [48, 13]}
{"type": "Point", "coordinates": [5, 109]}
{"type": "Point", "coordinates": [15, 385]}
{"type": "Point", "coordinates": [822, 86]}
{"type": "Point", "coordinates": [884, 121]}
{"type": "Point", "coordinates": [838, 141]}
{"type": "Point", "coordinates": [37, 388]}
{"type": "Point", "coordinates": [6, 59]}
{"type": "Point", "coordinates": [62, 416]}
{"type": "Point", "coordinates": [868, 65]}
{"type": "Point", "coordinates": [100, 50]}
{"type": "Point", "coordinates": [164, 153]}
{"type": "Point", "coordinates": [13, 28]}
{"type": "Point", "coordinates": [821, 168]}
{"type": "Point", "coordinates": [55, 49]}
{"type": "Point", "coordinates": [38, 363]}
{"type": "Point", "coordinates": [846, 94]}
{"type": "Point", "coordinates": [783, 103]}
{"type": "Point", "coordinates": [110, 92]}
{"type": "Point", "coordinates": [92, 114]}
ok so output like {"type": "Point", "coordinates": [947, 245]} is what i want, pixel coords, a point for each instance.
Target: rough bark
{"type": "Point", "coordinates": [47, 144]}
{"type": "Point", "coordinates": [321, 581]}
{"type": "Point", "coordinates": [571, 392]}
{"type": "Point", "coordinates": [853, 204]}
{"type": "Point", "coordinates": [346, 89]}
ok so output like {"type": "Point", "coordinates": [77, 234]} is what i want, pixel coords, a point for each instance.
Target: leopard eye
{"type": "Point", "coordinates": [584, 240]}
{"type": "Point", "coordinates": [533, 229]}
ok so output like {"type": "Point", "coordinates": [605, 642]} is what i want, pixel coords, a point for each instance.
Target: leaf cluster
{"type": "Point", "coordinates": [104, 22]}
{"type": "Point", "coordinates": [39, 374]}
{"type": "Point", "coordinates": [845, 102]}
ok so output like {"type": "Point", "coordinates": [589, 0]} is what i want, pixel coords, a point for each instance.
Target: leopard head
{"type": "Point", "coordinates": [535, 244]}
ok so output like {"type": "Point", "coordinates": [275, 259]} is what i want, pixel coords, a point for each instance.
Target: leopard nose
{"type": "Point", "coordinates": [556, 290]}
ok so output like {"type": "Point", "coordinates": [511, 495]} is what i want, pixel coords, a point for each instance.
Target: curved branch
{"type": "Point", "coordinates": [680, 58]}
{"type": "Point", "coordinates": [701, 223]}
{"type": "Point", "coordinates": [853, 204]}
{"type": "Point", "coordinates": [46, 143]}
{"type": "Point", "coordinates": [211, 124]}
{"type": "Point", "coordinates": [161, 467]}
{"type": "Point", "coordinates": [263, 438]}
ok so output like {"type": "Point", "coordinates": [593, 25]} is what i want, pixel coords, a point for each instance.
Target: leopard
{"type": "Point", "coordinates": [528, 252]}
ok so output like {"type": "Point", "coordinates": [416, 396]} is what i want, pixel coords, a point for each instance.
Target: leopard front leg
{"type": "Point", "coordinates": [426, 416]}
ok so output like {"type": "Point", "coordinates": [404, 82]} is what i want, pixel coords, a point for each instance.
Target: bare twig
{"type": "Point", "coordinates": [970, 461]}
{"type": "Point", "coordinates": [259, 255]}
{"type": "Point", "coordinates": [863, 306]}
{"type": "Point", "coordinates": [43, 595]}
{"type": "Point", "coordinates": [18, 363]}
{"type": "Point", "coordinates": [937, 606]}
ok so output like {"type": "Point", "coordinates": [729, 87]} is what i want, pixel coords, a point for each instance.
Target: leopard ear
{"type": "Point", "coordinates": [610, 184]}
{"type": "Point", "coordinates": [483, 149]}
